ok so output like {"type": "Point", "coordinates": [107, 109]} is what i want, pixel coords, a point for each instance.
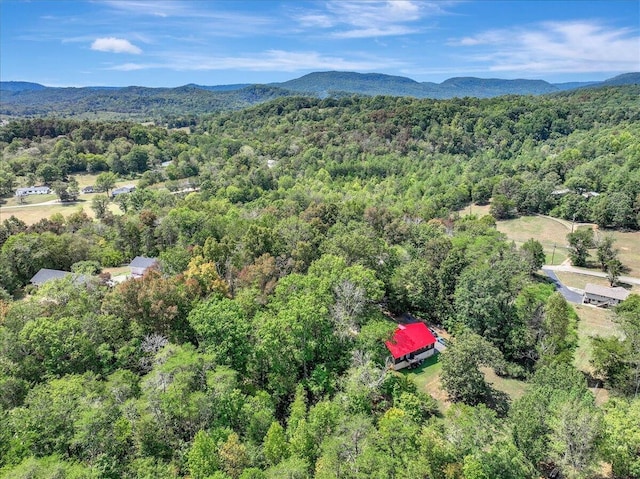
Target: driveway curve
{"type": "Point", "coordinates": [570, 295]}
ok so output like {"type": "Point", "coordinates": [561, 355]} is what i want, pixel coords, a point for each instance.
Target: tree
{"type": "Point", "coordinates": [461, 376]}
{"type": "Point", "coordinates": [223, 330]}
{"type": "Point", "coordinates": [275, 444]}
{"type": "Point", "coordinates": [62, 190]}
{"type": "Point", "coordinates": [580, 241]}
{"type": "Point", "coordinates": [502, 461]}
{"type": "Point", "coordinates": [556, 419]}
{"type": "Point", "coordinates": [501, 207]}
{"type": "Point", "coordinates": [614, 270]}
{"type": "Point", "coordinates": [106, 180]}
{"type": "Point", "coordinates": [202, 457]}
{"type": "Point", "coordinates": [533, 254]}
{"type": "Point", "coordinates": [605, 251]}
{"type": "Point", "coordinates": [618, 360]}
{"type": "Point", "coordinates": [233, 456]}
{"type": "Point", "coordinates": [575, 431]}
{"type": "Point", "coordinates": [621, 436]}
{"type": "Point", "coordinates": [100, 206]}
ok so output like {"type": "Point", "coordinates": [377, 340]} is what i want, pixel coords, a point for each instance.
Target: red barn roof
{"type": "Point", "coordinates": [409, 338]}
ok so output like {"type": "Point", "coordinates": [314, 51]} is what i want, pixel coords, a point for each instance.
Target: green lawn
{"type": "Point", "coordinates": [428, 372]}
{"type": "Point", "coordinates": [427, 379]}
{"type": "Point", "coordinates": [593, 322]}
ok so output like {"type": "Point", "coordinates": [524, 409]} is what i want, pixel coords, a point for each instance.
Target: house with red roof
{"type": "Point", "coordinates": [411, 343]}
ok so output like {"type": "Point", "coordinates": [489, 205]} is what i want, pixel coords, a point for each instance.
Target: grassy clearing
{"type": "Point", "coordinates": [577, 280]}
{"type": "Point", "coordinates": [628, 245]}
{"type": "Point", "coordinates": [427, 379]}
{"type": "Point", "coordinates": [549, 232]}
{"type": "Point", "coordinates": [514, 388]}
{"type": "Point", "coordinates": [33, 214]}
{"type": "Point", "coordinates": [593, 322]}
{"type": "Point", "coordinates": [28, 200]}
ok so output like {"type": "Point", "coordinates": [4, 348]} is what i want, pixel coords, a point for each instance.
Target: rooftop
{"type": "Point", "coordinates": [142, 262]}
{"type": "Point", "coordinates": [409, 338]}
{"type": "Point", "coordinates": [45, 275]}
{"type": "Point", "coordinates": [615, 293]}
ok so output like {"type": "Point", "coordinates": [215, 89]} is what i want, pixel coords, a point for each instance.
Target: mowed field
{"type": "Point", "coordinates": [577, 280]}
{"type": "Point", "coordinates": [552, 234]}
{"type": "Point", "coordinates": [32, 209]}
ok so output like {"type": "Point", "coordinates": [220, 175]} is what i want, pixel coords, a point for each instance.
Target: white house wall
{"type": "Point", "coordinates": [423, 355]}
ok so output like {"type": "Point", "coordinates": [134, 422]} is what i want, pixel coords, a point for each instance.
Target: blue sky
{"type": "Point", "coordinates": [175, 42]}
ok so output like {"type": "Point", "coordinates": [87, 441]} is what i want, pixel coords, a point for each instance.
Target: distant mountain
{"type": "Point", "coordinates": [237, 86]}
{"type": "Point", "coordinates": [20, 86]}
{"type": "Point", "coordinates": [624, 79]}
{"type": "Point", "coordinates": [490, 87]}
{"type": "Point", "coordinates": [327, 83]}
{"type": "Point", "coordinates": [32, 99]}
{"type": "Point", "coordinates": [573, 85]}
{"type": "Point", "coordinates": [132, 102]}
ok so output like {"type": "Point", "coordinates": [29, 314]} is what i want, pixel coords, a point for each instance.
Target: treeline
{"type": "Point", "coordinates": [574, 155]}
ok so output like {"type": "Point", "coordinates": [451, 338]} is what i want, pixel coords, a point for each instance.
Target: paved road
{"type": "Point", "coordinates": [568, 294]}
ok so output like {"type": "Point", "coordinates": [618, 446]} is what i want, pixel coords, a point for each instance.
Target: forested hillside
{"type": "Point", "coordinates": [256, 348]}
{"type": "Point", "coordinates": [23, 99]}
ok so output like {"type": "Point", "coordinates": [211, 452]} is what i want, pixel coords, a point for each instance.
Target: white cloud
{"type": "Point", "coordinates": [370, 18]}
{"type": "Point", "coordinates": [271, 60]}
{"type": "Point", "coordinates": [115, 45]}
{"type": "Point", "coordinates": [578, 46]}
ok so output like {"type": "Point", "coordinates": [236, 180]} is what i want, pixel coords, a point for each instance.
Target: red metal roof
{"type": "Point", "coordinates": [409, 338]}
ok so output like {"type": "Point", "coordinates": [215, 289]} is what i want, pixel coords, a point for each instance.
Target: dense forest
{"type": "Point", "coordinates": [256, 348]}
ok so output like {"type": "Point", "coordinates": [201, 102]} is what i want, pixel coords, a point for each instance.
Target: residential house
{"type": "Point", "coordinates": [140, 264]}
{"type": "Point", "coordinates": [33, 190]}
{"type": "Point", "coordinates": [122, 190]}
{"type": "Point", "coordinates": [603, 296]}
{"type": "Point", "coordinates": [45, 275]}
{"type": "Point", "coordinates": [88, 189]}
{"type": "Point", "coordinates": [411, 343]}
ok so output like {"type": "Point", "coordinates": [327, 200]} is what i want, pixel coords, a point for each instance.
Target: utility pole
{"type": "Point", "coordinates": [554, 253]}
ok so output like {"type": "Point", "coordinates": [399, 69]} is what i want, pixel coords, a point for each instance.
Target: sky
{"type": "Point", "coordinates": [170, 43]}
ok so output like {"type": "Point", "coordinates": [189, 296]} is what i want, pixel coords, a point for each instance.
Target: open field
{"type": "Point", "coordinates": [514, 388]}
{"type": "Point", "coordinates": [549, 232]}
{"type": "Point", "coordinates": [628, 245]}
{"type": "Point", "coordinates": [35, 211]}
{"type": "Point", "coordinates": [28, 200]}
{"type": "Point", "coordinates": [33, 214]}
{"type": "Point", "coordinates": [553, 231]}
{"type": "Point", "coordinates": [593, 322]}
{"type": "Point", "coordinates": [576, 280]}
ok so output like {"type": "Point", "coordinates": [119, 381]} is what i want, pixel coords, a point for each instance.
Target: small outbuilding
{"type": "Point", "coordinates": [602, 296]}
{"type": "Point", "coordinates": [411, 343]}
{"type": "Point", "coordinates": [140, 264]}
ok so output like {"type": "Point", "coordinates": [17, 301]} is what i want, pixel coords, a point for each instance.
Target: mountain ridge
{"type": "Point", "coordinates": [33, 99]}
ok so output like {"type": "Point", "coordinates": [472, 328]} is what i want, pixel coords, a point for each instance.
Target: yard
{"type": "Point", "coordinates": [33, 214]}
{"type": "Point", "coordinates": [427, 379]}
{"type": "Point", "coordinates": [31, 209]}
